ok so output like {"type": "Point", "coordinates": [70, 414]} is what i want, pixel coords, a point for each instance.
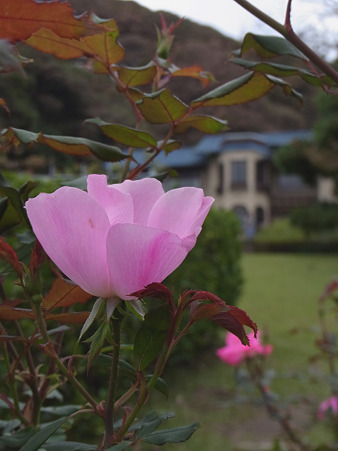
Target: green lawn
{"type": "Point", "coordinates": [280, 294]}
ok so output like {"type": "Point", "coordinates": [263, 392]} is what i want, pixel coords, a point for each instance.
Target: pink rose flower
{"type": "Point", "coordinates": [330, 404]}
{"type": "Point", "coordinates": [115, 239]}
{"type": "Point", "coordinates": [235, 352]}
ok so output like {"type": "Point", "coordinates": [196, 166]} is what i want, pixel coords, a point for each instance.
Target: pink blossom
{"type": "Point", "coordinates": [330, 404]}
{"type": "Point", "coordinates": [115, 239]}
{"type": "Point", "coordinates": [235, 352]}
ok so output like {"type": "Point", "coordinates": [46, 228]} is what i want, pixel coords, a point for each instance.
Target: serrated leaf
{"type": "Point", "coordinates": [35, 442]}
{"type": "Point", "coordinates": [21, 18]}
{"type": "Point", "coordinates": [174, 435]}
{"type": "Point", "coordinates": [136, 76]}
{"type": "Point", "coordinates": [282, 70]}
{"type": "Point", "coordinates": [10, 313]}
{"type": "Point", "coordinates": [125, 135]}
{"type": "Point", "coordinates": [233, 320]}
{"type": "Point", "coordinates": [247, 88]}
{"type": "Point", "coordinates": [270, 46]}
{"type": "Point", "coordinates": [162, 107]}
{"type": "Point", "coordinates": [66, 144]}
{"type": "Point", "coordinates": [102, 46]}
{"type": "Point", "coordinates": [205, 124]}
{"type": "Point", "coordinates": [194, 72]}
{"type": "Point", "coordinates": [64, 294]}
{"type": "Point", "coordinates": [8, 254]}
{"type": "Point", "coordinates": [151, 336]}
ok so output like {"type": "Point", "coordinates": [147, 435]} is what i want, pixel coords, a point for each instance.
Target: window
{"type": "Point", "coordinates": [220, 187]}
{"type": "Point", "coordinates": [238, 174]}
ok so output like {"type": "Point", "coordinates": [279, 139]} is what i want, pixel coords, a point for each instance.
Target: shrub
{"type": "Point", "coordinates": [316, 218]}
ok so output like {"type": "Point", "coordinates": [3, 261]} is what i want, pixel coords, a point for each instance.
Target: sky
{"type": "Point", "coordinates": [233, 21]}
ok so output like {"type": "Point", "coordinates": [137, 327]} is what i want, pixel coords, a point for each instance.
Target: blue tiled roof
{"type": "Point", "coordinates": [197, 155]}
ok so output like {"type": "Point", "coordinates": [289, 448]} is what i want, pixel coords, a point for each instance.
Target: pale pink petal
{"type": "Point", "coordinates": [144, 194]}
{"type": "Point", "coordinates": [139, 255]}
{"type": "Point", "coordinates": [180, 211]}
{"type": "Point", "coordinates": [72, 228]}
{"type": "Point", "coordinates": [230, 355]}
{"type": "Point", "coordinates": [118, 206]}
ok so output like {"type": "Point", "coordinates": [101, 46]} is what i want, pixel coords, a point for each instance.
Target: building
{"type": "Point", "coordinates": [237, 170]}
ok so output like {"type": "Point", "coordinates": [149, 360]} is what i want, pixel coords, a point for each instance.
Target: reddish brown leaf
{"type": "Point", "coordinates": [21, 18]}
{"type": "Point", "coordinates": [233, 321]}
{"type": "Point", "coordinates": [157, 291]}
{"type": "Point", "coordinates": [8, 312]}
{"type": "Point", "coordinates": [329, 289]}
{"type": "Point", "coordinates": [194, 72]}
{"type": "Point", "coordinates": [8, 254]}
{"type": "Point", "coordinates": [207, 311]}
{"type": "Point", "coordinates": [204, 296]}
{"type": "Point", "coordinates": [37, 258]}
{"type": "Point", "coordinates": [68, 318]}
{"type": "Point", "coordinates": [64, 294]}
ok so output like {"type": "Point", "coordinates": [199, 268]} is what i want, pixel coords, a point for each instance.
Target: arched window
{"type": "Point", "coordinates": [248, 227]}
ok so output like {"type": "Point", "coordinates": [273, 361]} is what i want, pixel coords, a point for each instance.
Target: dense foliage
{"type": "Point", "coordinates": [315, 218]}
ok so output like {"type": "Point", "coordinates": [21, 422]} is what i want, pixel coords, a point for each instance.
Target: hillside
{"type": "Point", "coordinates": [57, 96]}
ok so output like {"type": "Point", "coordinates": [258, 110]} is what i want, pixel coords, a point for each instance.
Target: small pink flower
{"type": "Point", "coordinates": [115, 239]}
{"type": "Point", "coordinates": [235, 352]}
{"type": "Point", "coordinates": [329, 405]}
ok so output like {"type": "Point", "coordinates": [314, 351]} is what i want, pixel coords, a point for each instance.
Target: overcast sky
{"type": "Point", "coordinates": [233, 21]}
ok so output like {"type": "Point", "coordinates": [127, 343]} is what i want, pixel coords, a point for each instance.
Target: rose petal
{"type": "Point", "coordinates": [144, 194]}
{"type": "Point", "coordinates": [139, 255]}
{"type": "Point", "coordinates": [118, 206]}
{"type": "Point", "coordinates": [181, 211]}
{"type": "Point", "coordinates": [72, 228]}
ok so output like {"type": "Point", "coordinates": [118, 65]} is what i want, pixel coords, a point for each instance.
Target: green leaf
{"type": "Point", "coordinates": [247, 88]}
{"type": "Point", "coordinates": [205, 124]}
{"type": "Point", "coordinates": [120, 447]}
{"type": "Point", "coordinates": [43, 435]}
{"type": "Point", "coordinates": [66, 144]}
{"type": "Point", "coordinates": [149, 420]}
{"type": "Point", "coordinates": [14, 441]}
{"type": "Point", "coordinates": [69, 446]}
{"type": "Point", "coordinates": [160, 386]}
{"type": "Point", "coordinates": [269, 46]}
{"type": "Point", "coordinates": [137, 76]}
{"type": "Point", "coordinates": [125, 135]}
{"type": "Point", "coordinates": [97, 340]}
{"type": "Point", "coordinates": [150, 338]}
{"type": "Point", "coordinates": [162, 107]}
{"type": "Point", "coordinates": [174, 435]}
{"type": "Point", "coordinates": [282, 70]}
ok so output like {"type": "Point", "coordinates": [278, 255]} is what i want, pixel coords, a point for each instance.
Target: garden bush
{"type": "Point", "coordinates": [316, 218]}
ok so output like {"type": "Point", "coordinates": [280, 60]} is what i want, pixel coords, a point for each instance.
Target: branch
{"type": "Point", "coordinates": [289, 34]}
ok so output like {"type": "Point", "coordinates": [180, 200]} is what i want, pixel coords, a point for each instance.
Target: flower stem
{"type": "Point", "coordinates": [109, 409]}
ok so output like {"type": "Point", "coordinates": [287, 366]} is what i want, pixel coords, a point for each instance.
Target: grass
{"type": "Point", "coordinates": [280, 294]}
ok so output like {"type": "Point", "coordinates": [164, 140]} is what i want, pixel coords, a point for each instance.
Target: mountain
{"type": "Point", "coordinates": [57, 96]}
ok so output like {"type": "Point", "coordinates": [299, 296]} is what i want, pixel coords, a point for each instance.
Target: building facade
{"type": "Point", "coordinates": [237, 170]}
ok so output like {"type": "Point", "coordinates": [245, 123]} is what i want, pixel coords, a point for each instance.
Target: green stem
{"type": "Point", "coordinates": [291, 36]}
{"type": "Point", "coordinates": [111, 396]}
{"type": "Point", "coordinates": [52, 353]}
{"type": "Point", "coordinates": [33, 383]}
{"type": "Point", "coordinates": [12, 387]}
